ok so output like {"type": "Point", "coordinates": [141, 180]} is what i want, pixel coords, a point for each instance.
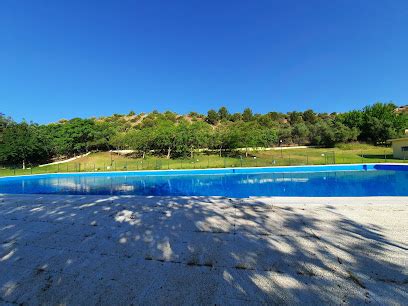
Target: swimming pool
{"type": "Point", "coordinates": [324, 181]}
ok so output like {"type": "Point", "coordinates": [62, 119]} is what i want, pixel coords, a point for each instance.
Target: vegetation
{"type": "Point", "coordinates": [109, 161]}
{"type": "Point", "coordinates": [171, 136]}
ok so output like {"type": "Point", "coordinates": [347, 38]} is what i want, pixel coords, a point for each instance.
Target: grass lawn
{"type": "Point", "coordinates": [105, 161]}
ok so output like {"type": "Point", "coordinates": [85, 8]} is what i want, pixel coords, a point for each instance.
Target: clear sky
{"type": "Point", "coordinates": [63, 59]}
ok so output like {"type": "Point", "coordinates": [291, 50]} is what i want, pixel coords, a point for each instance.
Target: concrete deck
{"type": "Point", "coordinates": [86, 250]}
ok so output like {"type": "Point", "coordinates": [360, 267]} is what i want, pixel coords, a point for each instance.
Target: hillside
{"type": "Point", "coordinates": [133, 119]}
{"type": "Point", "coordinates": [174, 136]}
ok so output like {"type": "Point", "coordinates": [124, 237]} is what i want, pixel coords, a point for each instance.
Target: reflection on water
{"type": "Point", "coordinates": [335, 183]}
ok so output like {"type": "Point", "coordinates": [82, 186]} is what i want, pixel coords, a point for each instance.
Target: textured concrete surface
{"type": "Point", "coordinates": [86, 250]}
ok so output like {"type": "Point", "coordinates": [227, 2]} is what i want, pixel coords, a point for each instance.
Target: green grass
{"type": "Point", "coordinates": [342, 154]}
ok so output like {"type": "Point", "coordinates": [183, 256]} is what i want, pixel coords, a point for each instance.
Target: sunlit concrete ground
{"type": "Point", "coordinates": [161, 250]}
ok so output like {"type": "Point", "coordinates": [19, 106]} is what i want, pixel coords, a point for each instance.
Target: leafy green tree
{"type": "Point", "coordinates": [223, 113]}
{"type": "Point", "coordinates": [236, 117]}
{"type": "Point", "coordinates": [309, 116]}
{"type": "Point", "coordinates": [148, 121]}
{"type": "Point", "coordinates": [74, 136]}
{"type": "Point", "coordinates": [328, 133]}
{"type": "Point", "coordinates": [198, 134]}
{"type": "Point", "coordinates": [295, 117]}
{"type": "Point", "coordinates": [268, 137]}
{"type": "Point", "coordinates": [119, 141]}
{"type": "Point", "coordinates": [222, 138]}
{"type": "Point", "coordinates": [252, 135]}
{"type": "Point", "coordinates": [165, 137]}
{"type": "Point", "coordinates": [275, 116]}
{"type": "Point", "coordinates": [212, 117]}
{"type": "Point", "coordinates": [102, 135]}
{"type": "Point", "coordinates": [322, 134]}
{"type": "Point", "coordinates": [381, 122]}
{"type": "Point", "coordinates": [4, 122]}
{"type": "Point", "coordinates": [266, 121]}
{"type": "Point", "coordinates": [171, 116]}
{"type": "Point", "coordinates": [352, 119]}
{"type": "Point", "coordinates": [343, 133]}
{"type": "Point", "coordinates": [284, 134]}
{"type": "Point", "coordinates": [140, 140]}
{"type": "Point", "coordinates": [22, 143]}
{"type": "Point", "coordinates": [247, 115]}
{"type": "Point", "coordinates": [300, 133]}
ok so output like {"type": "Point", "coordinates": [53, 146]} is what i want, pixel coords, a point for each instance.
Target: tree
{"type": "Point", "coordinates": [22, 143]}
{"type": "Point", "coordinates": [74, 136]}
{"type": "Point", "coordinates": [343, 133]}
{"type": "Point", "coordinates": [247, 115]}
{"type": "Point", "coordinates": [309, 116]}
{"type": "Point", "coordinates": [300, 133]}
{"type": "Point", "coordinates": [381, 122]}
{"type": "Point", "coordinates": [197, 136]}
{"type": "Point", "coordinates": [4, 122]}
{"type": "Point", "coordinates": [328, 133]}
{"type": "Point", "coordinates": [165, 137]}
{"type": "Point", "coordinates": [322, 134]}
{"type": "Point", "coordinates": [140, 140]}
{"type": "Point", "coordinates": [119, 141]}
{"type": "Point", "coordinates": [251, 135]}
{"type": "Point", "coordinates": [266, 121]}
{"type": "Point", "coordinates": [285, 134]}
{"type": "Point", "coordinates": [168, 115]}
{"type": "Point", "coordinates": [212, 117]}
{"type": "Point", "coordinates": [148, 121]}
{"type": "Point", "coordinates": [275, 116]}
{"type": "Point", "coordinates": [102, 134]}
{"type": "Point", "coordinates": [295, 117]}
{"type": "Point", "coordinates": [222, 138]}
{"type": "Point", "coordinates": [236, 117]}
{"type": "Point", "coordinates": [223, 113]}
{"type": "Point", "coordinates": [352, 119]}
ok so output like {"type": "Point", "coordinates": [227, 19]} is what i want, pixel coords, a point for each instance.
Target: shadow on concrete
{"type": "Point", "coordinates": [192, 250]}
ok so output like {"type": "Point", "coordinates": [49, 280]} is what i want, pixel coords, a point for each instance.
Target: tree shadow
{"type": "Point", "coordinates": [192, 250]}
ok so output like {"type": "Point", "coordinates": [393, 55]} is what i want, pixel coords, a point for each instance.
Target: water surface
{"type": "Point", "coordinates": [324, 183]}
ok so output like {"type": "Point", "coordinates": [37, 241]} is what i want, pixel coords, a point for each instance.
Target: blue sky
{"type": "Point", "coordinates": [63, 59]}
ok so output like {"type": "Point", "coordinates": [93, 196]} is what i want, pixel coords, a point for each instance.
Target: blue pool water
{"type": "Point", "coordinates": [327, 181]}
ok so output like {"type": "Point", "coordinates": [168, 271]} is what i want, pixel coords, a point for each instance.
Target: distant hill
{"type": "Point", "coordinates": [170, 134]}
{"type": "Point", "coordinates": [133, 119]}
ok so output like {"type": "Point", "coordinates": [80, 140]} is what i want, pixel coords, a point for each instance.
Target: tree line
{"type": "Point", "coordinates": [172, 135]}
